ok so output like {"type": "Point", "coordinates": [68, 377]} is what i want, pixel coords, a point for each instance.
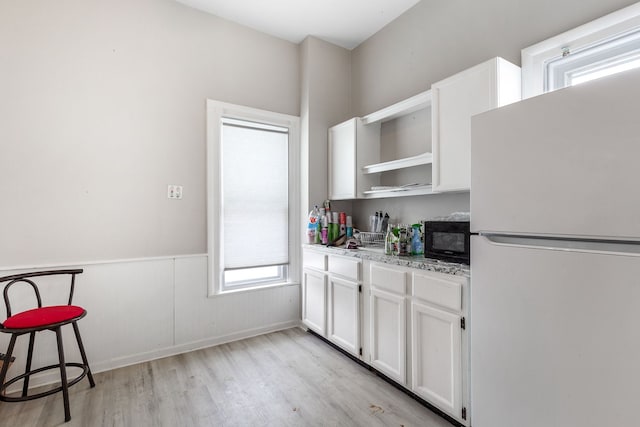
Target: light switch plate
{"type": "Point", "coordinates": [174, 191]}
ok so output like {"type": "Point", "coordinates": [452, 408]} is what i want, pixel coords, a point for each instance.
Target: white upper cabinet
{"type": "Point", "coordinates": [352, 145]}
{"type": "Point", "coordinates": [492, 84]}
{"type": "Point", "coordinates": [404, 159]}
{"type": "Point", "coordinates": [384, 154]}
{"type": "Point", "coordinates": [420, 145]}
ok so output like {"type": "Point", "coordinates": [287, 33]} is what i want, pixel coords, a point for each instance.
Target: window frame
{"type": "Point", "coordinates": [216, 111]}
{"type": "Point", "coordinates": [535, 58]}
{"type": "Point", "coordinates": [283, 271]}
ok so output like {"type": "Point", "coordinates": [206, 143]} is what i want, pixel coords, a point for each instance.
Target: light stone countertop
{"type": "Point", "coordinates": [377, 254]}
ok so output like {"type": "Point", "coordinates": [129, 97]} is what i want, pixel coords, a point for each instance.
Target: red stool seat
{"type": "Point", "coordinates": [43, 316]}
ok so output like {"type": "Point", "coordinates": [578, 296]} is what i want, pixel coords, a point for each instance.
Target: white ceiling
{"type": "Point", "coordinates": [346, 23]}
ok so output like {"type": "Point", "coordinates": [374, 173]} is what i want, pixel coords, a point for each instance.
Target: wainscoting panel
{"type": "Point", "coordinates": [144, 309]}
{"type": "Point", "coordinates": [227, 317]}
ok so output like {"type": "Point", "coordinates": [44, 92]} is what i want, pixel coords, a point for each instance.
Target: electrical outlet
{"type": "Point", "coordinates": [174, 191]}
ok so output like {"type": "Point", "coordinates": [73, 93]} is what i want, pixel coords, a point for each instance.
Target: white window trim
{"type": "Point", "coordinates": [535, 58]}
{"type": "Point", "coordinates": [216, 110]}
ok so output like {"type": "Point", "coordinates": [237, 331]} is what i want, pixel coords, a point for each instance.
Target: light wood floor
{"type": "Point", "coordinates": [287, 378]}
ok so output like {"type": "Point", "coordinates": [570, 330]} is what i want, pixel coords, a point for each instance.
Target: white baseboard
{"type": "Point", "coordinates": [191, 346]}
{"type": "Point", "coordinates": [53, 376]}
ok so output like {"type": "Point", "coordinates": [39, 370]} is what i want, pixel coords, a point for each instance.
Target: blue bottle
{"type": "Point", "coordinates": [416, 240]}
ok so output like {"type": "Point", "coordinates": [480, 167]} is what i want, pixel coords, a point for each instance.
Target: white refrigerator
{"type": "Point", "coordinates": [555, 263]}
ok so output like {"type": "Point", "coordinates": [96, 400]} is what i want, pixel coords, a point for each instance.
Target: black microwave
{"type": "Point", "coordinates": [448, 241]}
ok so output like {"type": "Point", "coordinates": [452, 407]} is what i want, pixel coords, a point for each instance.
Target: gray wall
{"type": "Point", "coordinates": [325, 101]}
{"type": "Point", "coordinates": [102, 106]}
{"type": "Point", "coordinates": [438, 38]}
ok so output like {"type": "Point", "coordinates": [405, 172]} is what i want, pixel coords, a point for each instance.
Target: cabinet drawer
{"type": "Point", "coordinates": [346, 267]}
{"type": "Point", "coordinates": [440, 289]}
{"type": "Point", "coordinates": [390, 279]}
{"type": "Point", "coordinates": [315, 260]}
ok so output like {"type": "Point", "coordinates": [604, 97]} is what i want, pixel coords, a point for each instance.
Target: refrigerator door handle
{"type": "Point", "coordinates": [611, 247]}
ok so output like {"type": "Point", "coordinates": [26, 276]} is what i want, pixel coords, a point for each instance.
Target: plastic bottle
{"type": "Point", "coordinates": [417, 247]}
{"type": "Point", "coordinates": [349, 230]}
{"type": "Point", "coordinates": [334, 227]}
{"type": "Point", "coordinates": [403, 241]}
{"type": "Point", "coordinates": [388, 241]}
{"type": "Point", "coordinates": [319, 226]}
{"type": "Point", "coordinates": [325, 230]}
{"type": "Point", "coordinates": [313, 225]}
{"type": "Point", "coordinates": [342, 222]}
{"type": "Point", "coordinates": [385, 222]}
{"type": "Point", "coordinates": [327, 209]}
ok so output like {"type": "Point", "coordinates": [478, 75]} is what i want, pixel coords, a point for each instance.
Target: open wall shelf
{"type": "Point", "coordinates": [404, 107]}
{"type": "Point", "coordinates": [420, 159]}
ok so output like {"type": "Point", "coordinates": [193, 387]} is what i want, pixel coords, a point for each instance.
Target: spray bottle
{"type": "Point", "coordinates": [313, 225]}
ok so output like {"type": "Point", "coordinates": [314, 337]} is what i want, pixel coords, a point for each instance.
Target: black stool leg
{"type": "Point", "coordinates": [63, 375]}
{"type": "Point", "coordinates": [5, 365]}
{"type": "Point", "coordinates": [83, 354]}
{"type": "Point", "coordinates": [27, 369]}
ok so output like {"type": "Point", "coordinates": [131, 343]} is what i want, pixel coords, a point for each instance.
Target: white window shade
{"type": "Point", "coordinates": [255, 201]}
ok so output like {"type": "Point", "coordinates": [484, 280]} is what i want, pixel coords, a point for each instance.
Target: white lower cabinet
{"type": "Point", "coordinates": [314, 291]}
{"type": "Point", "coordinates": [435, 354]}
{"type": "Point", "coordinates": [411, 325]}
{"type": "Point", "coordinates": [388, 332]}
{"type": "Point", "coordinates": [314, 300]}
{"type": "Point", "coordinates": [331, 303]}
{"type": "Point", "coordinates": [387, 321]}
{"type": "Point", "coordinates": [439, 351]}
{"type": "Point", "coordinates": [344, 314]}
{"type": "Point", "coordinates": [417, 333]}
{"type": "Point", "coordinates": [344, 302]}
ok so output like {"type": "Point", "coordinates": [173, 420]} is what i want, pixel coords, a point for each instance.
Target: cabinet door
{"type": "Point", "coordinates": [344, 314]}
{"type": "Point", "coordinates": [455, 100]}
{"type": "Point", "coordinates": [436, 364]}
{"type": "Point", "coordinates": [342, 161]}
{"type": "Point", "coordinates": [314, 301]}
{"type": "Point", "coordinates": [388, 334]}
